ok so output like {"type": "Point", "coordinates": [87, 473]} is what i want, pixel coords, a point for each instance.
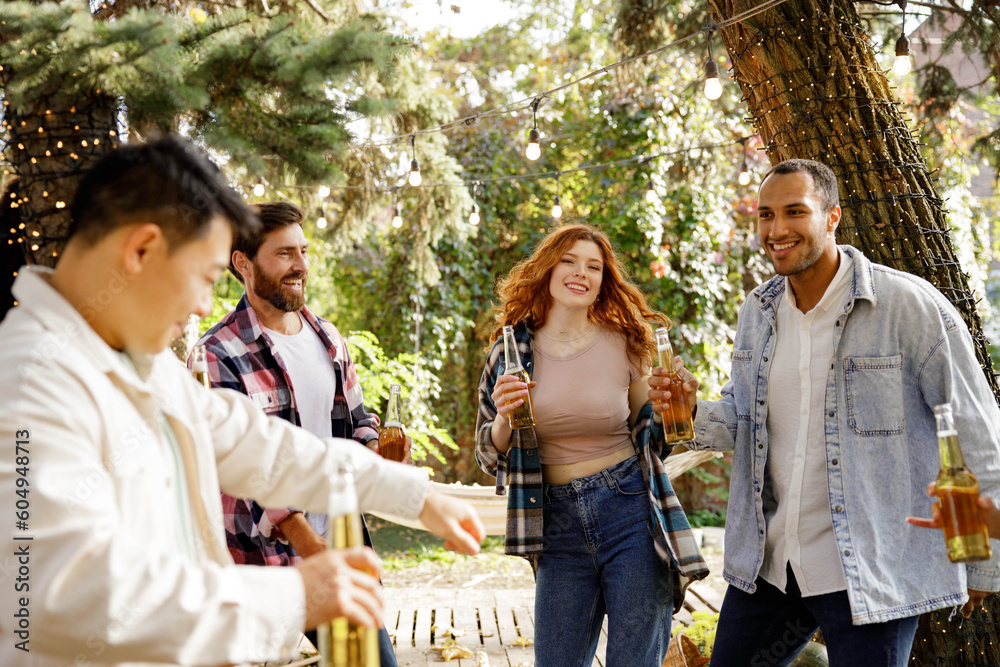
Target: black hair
{"type": "Point", "coordinates": [169, 182]}
{"type": "Point", "coordinates": [824, 180]}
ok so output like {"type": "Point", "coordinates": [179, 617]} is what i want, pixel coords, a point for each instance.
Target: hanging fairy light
{"type": "Point", "coordinates": [474, 214]}
{"type": "Point", "coordinates": [324, 191]}
{"type": "Point", "coordinates": [397, 219]}
{"type": "Point", "coordinates": [557, 208]}
{"type": "Point", "coordinates": [415, 178]}
{"type": "Point", "coordinates": [744, 177]}
{"type": "Point", "coordinates": [258, 189]}
{"type": "Point", "coordinates": [713, 87]}
{"type": "Point", "coordinates": [903, 64]}
{"type": "Point", "coordinates": [321, 221]}
{"type": "Point", "coordinates": [534, 149]}
{"type": "Point", "coordinates": [650, 192]}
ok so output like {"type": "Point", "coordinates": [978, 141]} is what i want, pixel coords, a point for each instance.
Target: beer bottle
{"type": "Point", "coordinates": [342, 643]}
{"type": "Point", "coordinates": [678, 425]}
{"type": "Point", "coordinates": [524, 415]}
{"type": "Point", "coordinates": [199, 365]}
{"type": "Point", "coordinates": [958, 495]}
{"type": "Point", "coordinates": [392, 439]}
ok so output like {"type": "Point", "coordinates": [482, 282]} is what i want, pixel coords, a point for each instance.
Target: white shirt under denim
{"type": "Point", "coordinates": [800, 531]}
{"type": "Point", "coordinates": [900, 348]}
{"type": "Point", "coordinates": [109, 582]}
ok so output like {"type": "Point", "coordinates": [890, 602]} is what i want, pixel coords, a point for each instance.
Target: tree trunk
{"type": "Point", "coordinates": [815, 90]}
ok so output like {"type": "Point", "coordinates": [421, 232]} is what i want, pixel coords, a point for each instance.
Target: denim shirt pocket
{"type": "Point", "coordinates": [874, 387]}
{"type": "Point", "coordinates": [744, 383]}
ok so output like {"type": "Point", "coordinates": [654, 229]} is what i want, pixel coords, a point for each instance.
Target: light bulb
{"type": "Point", "coordinates": [324, 192]}
{"type": "Point", "coordinates": [258, 190]}
{"type": "Point", "coordinates": [903, 65]}
{"type": "Point", "coordinates": [474, 216]}
{"type": "Point", "coordinates": [650, 193]}
{"type": "Point", "coordinates": [321, 223]}
{"type": "Point", "coordinates": [415, 178]}
{"type": "Point", "coordinates": [556, 209]}
{"type": "Point", "coordinates": [397, 219]}
{"type": "Point", "coordinates": [534, 149]}
{"type": "Point", "coordinates": [744, 177]}
{"type": "Point", "coordinates": [713, 87]}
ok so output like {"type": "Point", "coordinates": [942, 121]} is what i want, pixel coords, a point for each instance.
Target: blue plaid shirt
{"type": "Point", "coordinates": [519, 476]}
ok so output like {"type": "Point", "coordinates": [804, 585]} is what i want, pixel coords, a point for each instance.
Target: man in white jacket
{"type": "Point", "coordinates": [112, 457]}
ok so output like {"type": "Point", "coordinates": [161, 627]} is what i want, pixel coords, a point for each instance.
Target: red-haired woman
{"type": "Point", "coordinates": [589, 503]}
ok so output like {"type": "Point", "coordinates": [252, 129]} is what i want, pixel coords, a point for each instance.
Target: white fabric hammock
{"type": "Point", "coordinates": [492, 509]}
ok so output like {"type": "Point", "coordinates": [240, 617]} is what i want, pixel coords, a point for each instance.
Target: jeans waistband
{"type": "Point", "coordinates": [605, 478]}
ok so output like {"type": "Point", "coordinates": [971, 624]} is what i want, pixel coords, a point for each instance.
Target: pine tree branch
{"type": "Point", "coordinates": [318, 10]}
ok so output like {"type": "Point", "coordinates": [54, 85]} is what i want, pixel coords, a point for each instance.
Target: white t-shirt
{"type": "Point", "coordinates": [800, 532]}
{"type": "Point", "coordinates": [310, 371]}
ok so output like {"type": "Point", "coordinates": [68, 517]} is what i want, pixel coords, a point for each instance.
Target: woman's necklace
{"type": "Point", "coordinates": [567, 340]}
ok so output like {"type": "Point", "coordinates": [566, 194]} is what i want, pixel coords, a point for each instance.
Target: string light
{"type": "Point", "coordinates": [397, 219]}
{"type": "Point", "coordinates": [474, 215]}
{"type": "Point", "coordinates": [534, 149]}
{"type": "Point", "coordinates": [556, 208]}
{"type": "Point", "coordinates": [258, 190]}
{"type": "Point", "coordinates": [650, 192]}
{"type": "Point", "coordinates": [713, 87]}
{"type": "Point", "coordinates": [744, 177]}
{"type": "Point", "coordinates": [324, 191]}
{"type": "Point", "coordinates": [903, 65]}
{"type": "Point", "coordinates": [415, 178]}
{"type": "Point", "coordinates": [321, 221]}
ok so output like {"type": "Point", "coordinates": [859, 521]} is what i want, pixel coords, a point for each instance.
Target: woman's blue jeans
{"type": "Point", "coordinates": [598, 558]}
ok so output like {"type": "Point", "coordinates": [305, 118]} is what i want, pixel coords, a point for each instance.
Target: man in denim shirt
{"type": "Point", "coordinates": [837, 366]}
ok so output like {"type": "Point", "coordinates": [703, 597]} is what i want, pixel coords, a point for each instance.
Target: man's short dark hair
{"type": "Point", "coordinates": [169, 182]}
{"type": "Point", "coordinates": [272, 216]}
{"type": "Point", "coordinates": [824, 180]}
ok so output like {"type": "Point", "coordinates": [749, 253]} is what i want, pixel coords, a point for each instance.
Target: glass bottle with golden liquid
{"type": "Point", "coordinates": [678, 425]}
{"type": "Point", "coordinates": [392, 438]}
{"type": "Point", "coordinates": [524, 415]}
{"type": "Point", "coordinates": [199, 365]}
{"type": "Point", "coordinates": [342, 643]}
{"type": "Point", "coordinates": [958, 495]}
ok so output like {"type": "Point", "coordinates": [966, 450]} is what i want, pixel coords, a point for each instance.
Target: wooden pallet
{"type": "Point", "coordinates": [496, 622]}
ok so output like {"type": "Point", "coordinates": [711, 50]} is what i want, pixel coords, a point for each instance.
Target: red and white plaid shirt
{"type": "Point", "coordinates": [241, 356]}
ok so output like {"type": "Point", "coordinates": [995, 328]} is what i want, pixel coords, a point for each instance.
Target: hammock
{"type": "Point", "coordinates": [492, 509]}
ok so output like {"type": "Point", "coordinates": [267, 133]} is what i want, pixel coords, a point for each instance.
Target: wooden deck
{"type": "Point", "coordinates": [496, 622]}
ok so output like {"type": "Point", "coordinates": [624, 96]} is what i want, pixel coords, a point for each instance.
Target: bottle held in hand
{"type": "Point", "coordinates": [199, 365]}
{"type": "Point", "coordinates": [392, 438]}
{"type": "Point", "coordinates": [342, 643]}
{"type": "Point", "coordinates": [958, 496]}
{"type": "Point", "coordinates": [524, 415]}
{"type": "Point", "coordinates": [678, 425]}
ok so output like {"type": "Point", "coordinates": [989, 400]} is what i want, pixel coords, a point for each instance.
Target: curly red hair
{"type": "Point", "coordinates": [621, 306]}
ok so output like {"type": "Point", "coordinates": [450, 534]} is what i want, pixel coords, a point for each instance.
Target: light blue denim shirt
{"type": "Point", "coordinates": [900, 348]}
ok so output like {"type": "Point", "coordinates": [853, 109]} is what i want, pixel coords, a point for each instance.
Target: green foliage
{"type": "Point", "coordinates": [701, 632]}
{"type": "Point", "coordinates": [249, 85]}
{"type": "Point", "coordinates": [377, 371]}
{"type": "Point", "coordinates": [711, 518]}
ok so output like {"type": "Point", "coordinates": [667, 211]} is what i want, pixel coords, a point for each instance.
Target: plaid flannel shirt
{"type": "Point", "coordinates": [241, 356]}
{"type": "Point", "coordinates": [519, 476]}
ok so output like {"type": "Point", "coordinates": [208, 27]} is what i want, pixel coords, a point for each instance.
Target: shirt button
{"type": "Point", "coordinates": [532, 499]}
{"type": "Point", "coordinates": [760, 446]}
{"type": "Point", "coordinates": [531, 453]}
{"type": "Point", "coordinates": [834, 462]}
{"type": "Point", "coordinates": [831, 413]}
{"type": "Point", "coordinates": [838, 508]}
{"type": "Point", "coordinates": [847, 552]}
{"type": "Point", "coordinates": [765, 358]}
{"type": "Point", "coordinates": [760, 402]}
{"type": "Point", "coordinates": [762, 532]}
{"type": "Point", "coordinates": [831, 366]}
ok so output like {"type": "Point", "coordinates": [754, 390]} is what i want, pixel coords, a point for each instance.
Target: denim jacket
{"type": "Point", "coordinates": [900, 348]}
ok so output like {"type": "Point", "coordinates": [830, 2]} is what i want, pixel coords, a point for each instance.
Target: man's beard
{"type": "Point", "coordinates": [271, 290]}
